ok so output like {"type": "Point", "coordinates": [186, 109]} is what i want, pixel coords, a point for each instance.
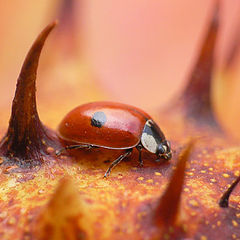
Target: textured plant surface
{"type": "Point", "coordinates": [47, 197]}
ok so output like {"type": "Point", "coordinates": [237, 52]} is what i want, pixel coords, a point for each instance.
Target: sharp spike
{"type": "Point", "coordinates": [196, 96]}
{"type": "Point", "coordinates": [24, 105]}
{"type": "Point", "coordinates": [65, 216]}
{"type": "Point", "coordinates": [225, 197]}
{"type": "Point", "coordinates": [167, 209]}
{"type": "Point", "coordinates": [26, 137]}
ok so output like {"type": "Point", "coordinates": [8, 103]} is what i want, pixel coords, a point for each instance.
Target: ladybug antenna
{"type": "Point", "coordinates": [224, 201]}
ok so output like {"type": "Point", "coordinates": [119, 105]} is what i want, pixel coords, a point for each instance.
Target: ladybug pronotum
{"type": "Point", "coordinates": [114, 126]}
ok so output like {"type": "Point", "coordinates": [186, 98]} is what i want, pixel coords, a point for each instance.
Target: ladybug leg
{"type": "Point", "coordinates": [139, 148]}
{"type": "Point", "coordinates": [117, 161]}
{"type": "Point", "coordinates": [88, 146]}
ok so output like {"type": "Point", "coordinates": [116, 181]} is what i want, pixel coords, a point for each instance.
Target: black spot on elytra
{"type": "Point", "coordinates": [98, 119]}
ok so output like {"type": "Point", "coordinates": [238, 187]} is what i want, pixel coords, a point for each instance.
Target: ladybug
{"type": "Point", "coordinates": [116, 126]}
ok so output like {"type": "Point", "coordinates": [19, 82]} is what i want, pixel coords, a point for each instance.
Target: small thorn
{"type": "Point", "coordinates": [224, 201]}
{"type": "Point", "coordinates": [167, 209]}
{"type": "Point", "coordinates": [66, 215]}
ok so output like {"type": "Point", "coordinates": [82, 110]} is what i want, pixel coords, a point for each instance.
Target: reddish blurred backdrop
{"type": "Point", "coordinates": [139, 52]}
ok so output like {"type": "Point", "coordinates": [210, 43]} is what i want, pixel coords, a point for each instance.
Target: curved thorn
{"type": "Point", "coordinates": [167, 209]}
{"type": "Point", "coordinates": [24, 105]}
{"type": "Point", "coordinates": [196, 98]}
{"type": "Point", "coordinates": [225, 197]}
{"type": "Point", "coordinates": [66, 215]}
{"type": "Point", "coordinates": [27, 138]}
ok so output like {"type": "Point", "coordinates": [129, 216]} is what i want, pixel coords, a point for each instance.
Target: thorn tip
{"type": "Point", "coordinates": [167, 209]}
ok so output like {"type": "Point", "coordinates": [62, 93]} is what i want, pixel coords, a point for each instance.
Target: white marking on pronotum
{"type": "Point", "coordinates": [149, 142]}
{"type": "Point", "coordinates": [149, 123]}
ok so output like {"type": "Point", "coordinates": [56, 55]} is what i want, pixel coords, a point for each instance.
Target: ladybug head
{"type": "Point", "coordinates": [164, 150]}
{"type": "Point", "coordinates": [153, 140]}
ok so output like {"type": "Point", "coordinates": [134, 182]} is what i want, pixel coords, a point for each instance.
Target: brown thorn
{"type": "Point", "coordinates": [66, 216]}
{"type": "Point", "coordinates": [167, 209]}
{"type": "Point", "coordinates": [24, 105]}
{"type": "Point", "coordinates": [26, 137]}
{"type": "Point", "coordinates": [196, 98]}
{"type": "Point", "coordinates": [225, 197]}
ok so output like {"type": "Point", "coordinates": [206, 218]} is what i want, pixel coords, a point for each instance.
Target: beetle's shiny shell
{"type": "Point", "coordinates": [104, 124]}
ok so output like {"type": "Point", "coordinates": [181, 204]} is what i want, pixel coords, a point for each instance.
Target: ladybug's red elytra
{"type": "Point", "coordinates": [113, 126]}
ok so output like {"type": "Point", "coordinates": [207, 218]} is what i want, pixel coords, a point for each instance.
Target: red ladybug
{"type": "Point", "coordinates": [113, 126]}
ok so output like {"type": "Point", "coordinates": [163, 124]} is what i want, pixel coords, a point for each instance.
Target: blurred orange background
{"type": "Point", "coordinates": [138, 52]}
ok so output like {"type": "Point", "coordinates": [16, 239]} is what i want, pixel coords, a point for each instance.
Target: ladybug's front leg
{"type": "Point", "coordinates": [117, 161]}
{"type": "Point", "coordinates": [88, 146]}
